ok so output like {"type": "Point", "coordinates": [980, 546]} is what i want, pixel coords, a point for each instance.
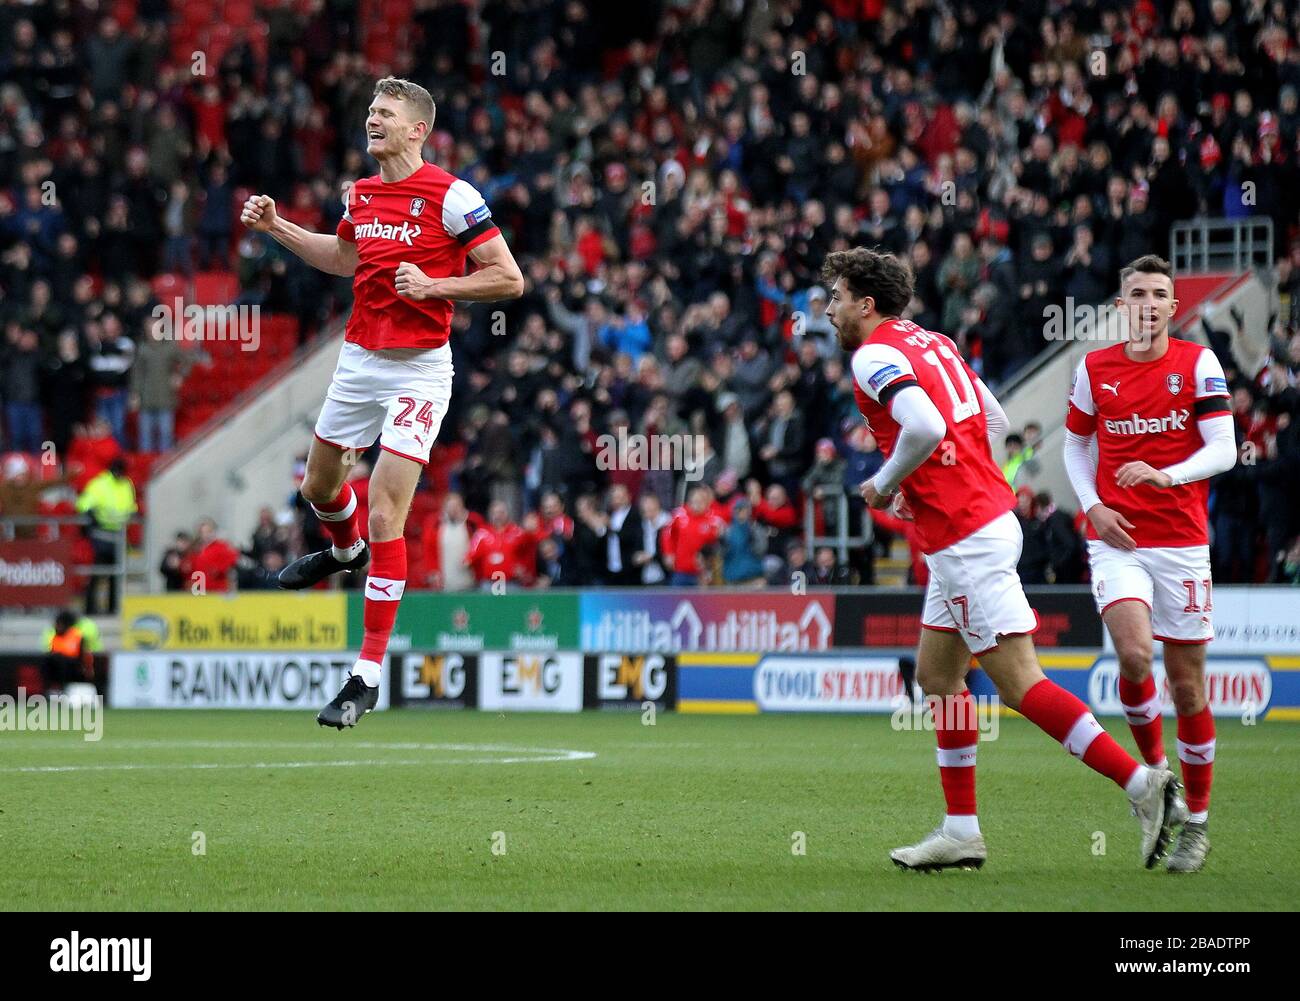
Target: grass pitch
{"type": "Point", "coordinates": [470, 810]}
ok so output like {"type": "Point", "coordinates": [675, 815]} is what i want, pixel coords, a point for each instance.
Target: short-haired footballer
{"type": "Point", "coordinates": [403, 239]}
{"type": "Point", "coordinates": [1157, 409]}
{"type": "Point", "coordinates": [935, 420]}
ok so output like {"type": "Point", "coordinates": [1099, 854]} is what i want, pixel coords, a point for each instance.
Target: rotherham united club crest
{"type": "Point", "coordinates": [417, 206]}
{"type": "Point", "coordinates": [1175, 383]}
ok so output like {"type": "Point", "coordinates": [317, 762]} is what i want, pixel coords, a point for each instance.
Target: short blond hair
{"type": "Point", "coordinates": [404, 90]}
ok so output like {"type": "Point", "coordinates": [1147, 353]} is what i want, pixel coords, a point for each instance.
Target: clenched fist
{"type": "Point", "coordinates": [258, 213]}
{"type": "Point", "coordinates": [412, 283]}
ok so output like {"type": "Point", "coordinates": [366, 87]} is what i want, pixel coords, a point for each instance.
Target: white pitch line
{"type": "Point", "coordinates": [534, 755]}
{"type": "Point", "coordinates": [108, 744]}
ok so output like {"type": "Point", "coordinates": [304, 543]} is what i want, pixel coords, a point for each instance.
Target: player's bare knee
{"type": "Point", "coordinates": [316, 490]}
{"type": "Point", "coordinates": [1134, 660]}
{"type": "Point", "coordinates": [384, 521]}
{"type": "Point", "coordinates": [1188, 696]}
{"type": "Point", "coordinates": [932, 681]}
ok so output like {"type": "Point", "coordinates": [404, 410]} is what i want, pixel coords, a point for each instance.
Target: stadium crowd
{"type": "Point", "coordinates": [670, 179]}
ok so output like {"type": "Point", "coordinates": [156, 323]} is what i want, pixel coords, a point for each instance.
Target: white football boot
{"type": "Point", "coordinates": [938, 850]}
{"type": "Point", "coordinates": [1154, 809]}
{"type": "Point", "coordinates": [1193, 845]}
{"type": "Point", "coordinates": [1178, 812]}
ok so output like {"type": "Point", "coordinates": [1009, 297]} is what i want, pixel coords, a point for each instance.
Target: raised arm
{"type": "Point", "coordinates": [323, 251]}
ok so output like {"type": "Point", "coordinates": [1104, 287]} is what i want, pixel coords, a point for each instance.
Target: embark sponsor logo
{"type": "Point", "coordinates": [75, 954]}
{"type": "Point", "coordinates": [180, 322]}
{"type": "Point", "coordinates": [376, 230]}
{"type": "Point", "coordinates": [1175, 420]}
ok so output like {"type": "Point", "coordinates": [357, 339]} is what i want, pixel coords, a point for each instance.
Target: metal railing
{"type": "Point", "coordinates": [842, 541]}
{"type": "Point", "coordinates": [1208, 245]}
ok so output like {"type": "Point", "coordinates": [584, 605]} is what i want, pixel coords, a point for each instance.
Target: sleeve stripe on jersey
{"type": "Point", "coordinates": [478, 229]}
{"type": "Point", "coordinates": [887, 394]}
{"type": "Point", "coordinates": [1212, 405]}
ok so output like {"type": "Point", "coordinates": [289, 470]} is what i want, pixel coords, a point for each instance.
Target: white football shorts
{"type": "Point", "coordinates": [1174, 584]}
{"type": "Point", "coordinates": [975, 590]}
{"type": "Point", "coordinates": [402, 392]}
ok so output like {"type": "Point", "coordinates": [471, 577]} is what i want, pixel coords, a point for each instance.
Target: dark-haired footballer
{"type": "Point", "coordinates": [1157, 408]}
{"type": "Point", "coordinates": [934, 419]}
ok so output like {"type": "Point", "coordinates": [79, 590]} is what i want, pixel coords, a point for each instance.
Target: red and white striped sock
{"type": "Point", "coordinates": [1064, 718]}
{"type": "Point", "coordinates": [1142, 707]}
{"type": "Point", "coordinates": [339, 520]}
{"type": "Point", "coordinates": [384, 587]}
{"type": "Point", "coordinates": [1196, 755]}
{"type": "Point", "coordinates": [956, 727]}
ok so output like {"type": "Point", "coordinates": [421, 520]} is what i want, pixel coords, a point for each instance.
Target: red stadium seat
{"type": "Point", "coordinates": [167, 287]}
{"type": "Point", "coordinates": [238, 13]}
{"type": "Point", "coordinates": [215, 288]}
{"type": "Point", "coordinates": [124, 12]}
{"type": "Point", "coordinates": [258, 35]}
{"type": "Point", "coordinates": [28, 677]}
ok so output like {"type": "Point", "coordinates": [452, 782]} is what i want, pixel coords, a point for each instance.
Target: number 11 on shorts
{"type": "Point", "coordinates": [1190, 585]}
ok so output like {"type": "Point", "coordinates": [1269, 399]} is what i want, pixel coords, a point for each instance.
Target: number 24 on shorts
{"type": "Point", "coordinates": [424, 417]}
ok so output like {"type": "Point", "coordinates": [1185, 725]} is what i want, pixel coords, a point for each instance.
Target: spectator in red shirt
{"type": "Point", "coordinates": [550, 522]}
{"type": "Point", "coordinates": [774, 510]}
{"type": "Point", "coordinates": [694, 528]}
{"type": "Point", "coordinates": [494, 551]}
{"type": "Point", "coordinates": [553, 519]}
{"type": "Point", "coordinates": [214, 558]}
{"type": "Point", "coordinates": [93, 448]}
{"type": "Point", "coordinates": [726, 496]}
